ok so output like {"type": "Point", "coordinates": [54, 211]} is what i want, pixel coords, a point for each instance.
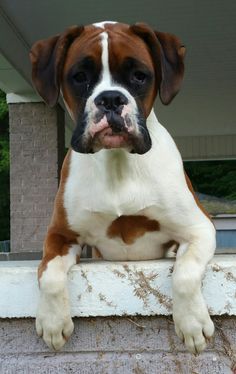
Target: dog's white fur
{"type": "Point", "coordinates": [53, 319]}
{"type": "Point", "coordinates": [110, 183]}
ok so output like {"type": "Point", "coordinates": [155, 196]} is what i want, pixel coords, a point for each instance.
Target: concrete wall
{"type": "Point", "coordinates": [138, 345]}
{"type": "Point", "coordinates": [36, 154]}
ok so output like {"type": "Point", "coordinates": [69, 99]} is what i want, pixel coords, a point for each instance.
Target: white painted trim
{"type": "Point", "coordinates": [116, 288]}
{"type": "Point", "coordinates": [30, 97]}
{"type": "Point", "coordinates": [207, 147]}
{"type": "Point", "coordinates": [225, 222]}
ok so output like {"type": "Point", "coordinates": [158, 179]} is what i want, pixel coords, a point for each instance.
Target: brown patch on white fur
{"type": "Point", "coordinates": [130, 228]}
{"type": "Point", "coordinates": [59, 236]}
{"type": "Point", "coordinates": [88, 41]}
{"type": "Point", "coordinates": [123, 43]}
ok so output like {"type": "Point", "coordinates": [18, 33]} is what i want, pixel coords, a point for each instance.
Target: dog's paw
{"type": "Point", "coordinates": [53, 320]}
{"type": "Point", "coordinates": [193, 325]}
{"type": "Point", "coordinates": [55, 330]}
{"type": "Point", "coordinates": [194, 332]}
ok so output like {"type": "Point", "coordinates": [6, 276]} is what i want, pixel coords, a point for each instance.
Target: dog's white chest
{"type": "Point", "coordinates": [94, 203]}
{"type": "Point", "coordinates": [101, 188]}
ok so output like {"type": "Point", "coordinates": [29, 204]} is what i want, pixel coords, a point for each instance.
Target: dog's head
{"type": "Point", "coordinates": [109, 75]}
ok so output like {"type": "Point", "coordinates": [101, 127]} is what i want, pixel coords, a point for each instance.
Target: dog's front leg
{"type": "Point", "coordinates": [53, 320]}
{"type": "Point", "coordinates": [192, 322]}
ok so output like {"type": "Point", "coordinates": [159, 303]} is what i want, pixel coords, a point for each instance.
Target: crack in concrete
{"type": "Point", "coordinates": [103, 298]}
{"type": "Point", "coordinates": [227, 274]}
{"type": "Point", "coordinates": [84, 275]}
{"type": "Point", "coordinates": [141, 284]}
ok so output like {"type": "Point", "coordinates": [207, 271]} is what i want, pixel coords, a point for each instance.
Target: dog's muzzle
{"type": "Point", "coordinates": [111, 104]}
{"type": "Point", "coordinates": [111, 121]}
{"type": "Point", "coordinates": [110, 129]}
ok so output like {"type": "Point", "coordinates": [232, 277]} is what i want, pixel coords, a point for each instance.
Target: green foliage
{"type": "Point", "coordinates": [4, 154]}
{"type": "Point", "coordinates": [216, 178]}
{"type": "Point", "coordinates": [4, 170]}
{"type": "Point", "coordinates": [3, 108]}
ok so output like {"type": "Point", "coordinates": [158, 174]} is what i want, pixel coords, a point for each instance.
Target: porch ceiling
{"type": "Point", "coordinates": [207, 99]}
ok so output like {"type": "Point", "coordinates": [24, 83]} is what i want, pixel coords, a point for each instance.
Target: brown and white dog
{"type": "Point", "coordinates": [123, 189]}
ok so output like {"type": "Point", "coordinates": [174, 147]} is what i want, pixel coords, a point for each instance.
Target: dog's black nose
{"type": "Point", "coordinates": [111, 101]}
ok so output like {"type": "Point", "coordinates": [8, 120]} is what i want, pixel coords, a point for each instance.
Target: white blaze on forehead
{"type": "Point", "coordinates": [106, 82]}
{"type": "Point", "coordinates": [102, 24]}
{"type": "Point", "coordinates": [106, 75]}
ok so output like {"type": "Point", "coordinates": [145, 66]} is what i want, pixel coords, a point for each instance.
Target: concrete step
{"type": "Point", "coordinates": [113, 345]}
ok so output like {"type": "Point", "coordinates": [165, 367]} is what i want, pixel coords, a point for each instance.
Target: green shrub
{"type": "Point", "coordinates": [216, 178]}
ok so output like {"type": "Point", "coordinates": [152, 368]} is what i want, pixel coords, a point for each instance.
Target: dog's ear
{"type": "Point", "coordinates": [168, 54]}
{"type": "Point", "coordinates": [47, 58]}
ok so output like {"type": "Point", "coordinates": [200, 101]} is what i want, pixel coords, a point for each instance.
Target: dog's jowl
{"type": "Point", "coordinates": [123, 189]}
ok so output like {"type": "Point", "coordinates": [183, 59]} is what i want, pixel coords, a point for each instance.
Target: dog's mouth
{"type": "Point", "coordinates": [108, 138]}
{"type": "Point", "coordinates": [91, 137]}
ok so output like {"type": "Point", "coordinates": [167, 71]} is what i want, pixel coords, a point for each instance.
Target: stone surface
{"type": "Point", "coordinates": [139, 345]}
{"type": "Point", "coordinates": [103, 288]}
{"type": "Point", "coordinates": [36, 154]}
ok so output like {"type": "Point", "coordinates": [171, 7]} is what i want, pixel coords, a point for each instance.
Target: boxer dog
{"type": "Point", "coordinates": [123, 189]}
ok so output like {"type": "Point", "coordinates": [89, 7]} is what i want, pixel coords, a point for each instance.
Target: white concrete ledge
{"type": "Point", "coordinates": [27, 97]}
{"type": "Point", "coordinates": [99, 288]}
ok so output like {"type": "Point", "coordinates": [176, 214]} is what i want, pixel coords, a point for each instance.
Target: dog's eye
{"type": "Point", "coordinates": [80, 77]}
{"type": "Point", "coordinates": [139, 77]}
